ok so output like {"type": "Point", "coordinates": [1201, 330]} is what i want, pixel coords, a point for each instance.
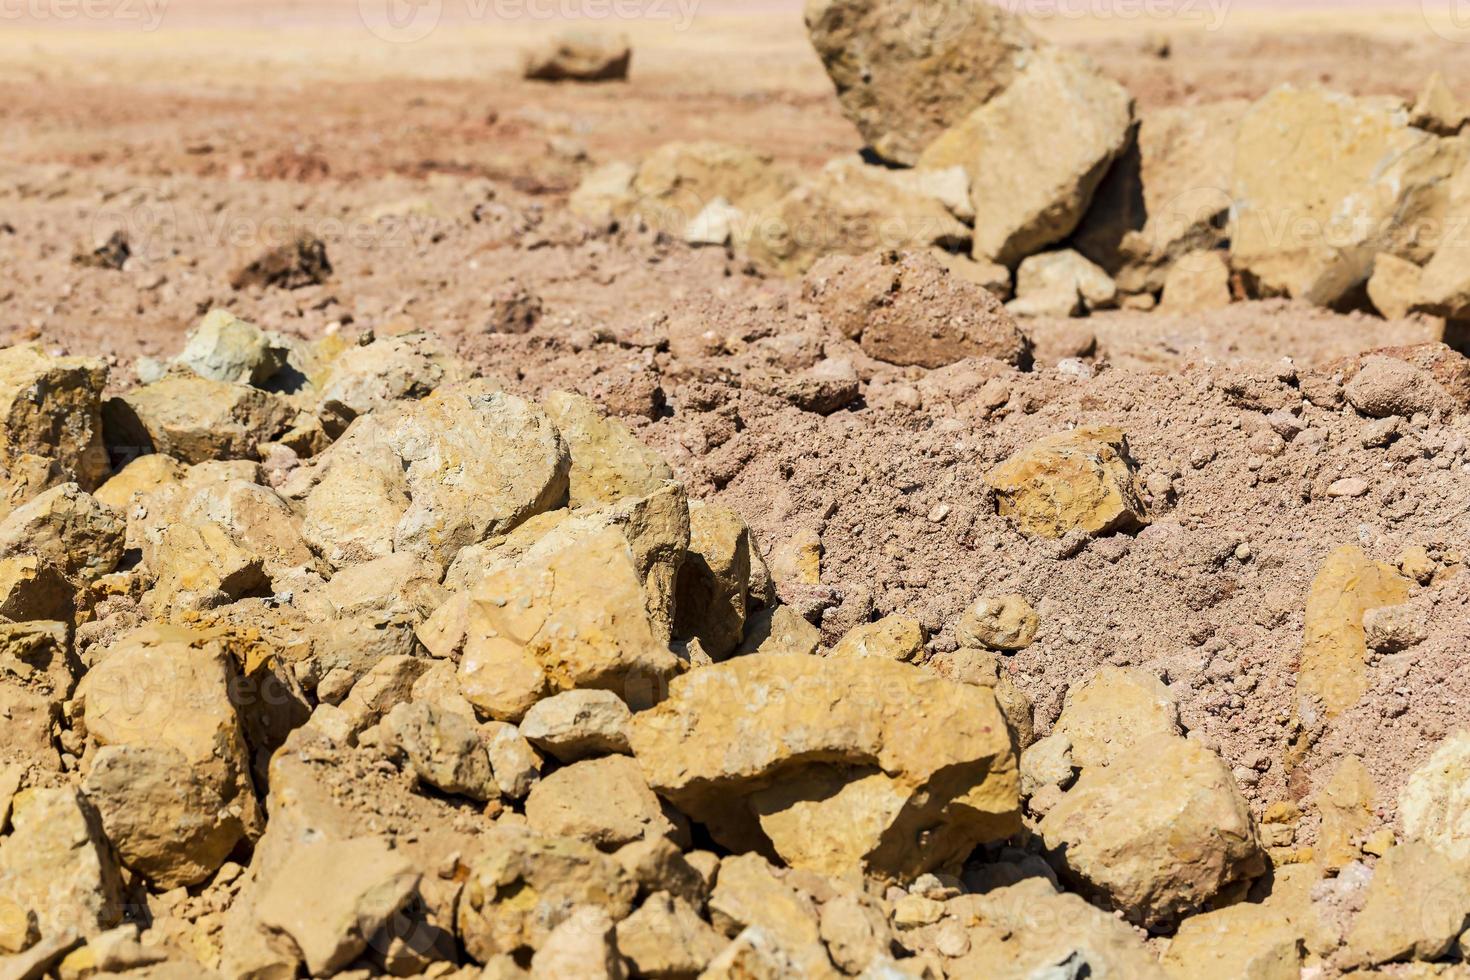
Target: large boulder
{"type": "Point", "coordinates": [433, 476]}
{"type": "Point", "coordinates": [905, 72]}
{"type": "Point", "coordinates": [52, 423]}
{"type": "Point", "coordinates": [1157, 832]}
{"type": "Point", "coordinates": [1037, 152]}
{"type": "Point", "coordinates": [172, 777]}
{"type": "Point", "coordinates": [849, 208]}
{"type": "Point", "coordinates": [1167, 196]}
{"type": "Point", "coordinates": [1325, 181]}
{"type": "Point", "coordinates": [860, 764]}
{"type": "Point", "coordinates": [907, 308]}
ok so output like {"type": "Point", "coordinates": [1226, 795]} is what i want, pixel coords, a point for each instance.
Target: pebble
{"type": "Point", "coordinates": [1352, 486]}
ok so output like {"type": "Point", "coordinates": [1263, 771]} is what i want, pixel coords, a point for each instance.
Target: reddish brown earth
{"type": "Point", "coordinates": [231, 124]}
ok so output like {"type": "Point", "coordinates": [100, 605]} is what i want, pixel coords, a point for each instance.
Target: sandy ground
{"type": "Point", "coordinates": [227, 122]}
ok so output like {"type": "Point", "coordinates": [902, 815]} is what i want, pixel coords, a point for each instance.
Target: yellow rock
{"type": "Point", "coordinates": [1394, 286]}
{"type": "Point", "coordinates": [893, 637]}
{"type": "Point", "coordinates": [1346, 807]}
{"type": "Point", "coordinates": [1435, 803]}
{"type": "Point", "coordinates": [1005, 622]}
{"type": "Point", "coordinates": [798, 560]}
{"type": "Point", "coordinates": [143, 475]}
{"type": "Point", "coordinates": [1333, 673]}
{"type": "Point", "coordinates": [1196, 283]}
{"type": "Point", "coordinates": [1079, 480]}
{"type": "Point", "coordinates": [1113, 712]}
{"type": "Point", "coordinates": [608, 461]}
{"type": "Point", "coordinates": [1437, 109]}
{"type": "Point", "coordinates": [50, 408]}
{"type": "Point", "coordinates": [1416, 908]}
{"type": "Point", "coordinates": [1242, 942]}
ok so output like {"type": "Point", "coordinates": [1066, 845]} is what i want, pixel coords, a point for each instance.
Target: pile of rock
{"type": "Point", "coordinates": [369, 666]}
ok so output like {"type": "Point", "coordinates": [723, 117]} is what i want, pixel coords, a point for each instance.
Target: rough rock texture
{"type": "Point", "coordinates": [1075, 481]}
{"type": "Point", "coordinates": [605, 802]}
{"type": "Point", "coordinates": [608, 463]}
{"type": "Point", "coordinates": [1060, 284]}
{"type": "Point", "coordinates": [906, 308]}
{"type": "Point", "coordinates": [713, 589]}
{"type": "Point", "coordinates": [679, 182]}
{"type": "Point", "coordinates": [1435, 803]}
{"type": "Point", "coordinates": [372, 376]}
{"type": "Point", "coordinates": [832, 771]}
{"type": "Point", "coordinates": [56, 864]}
{"type": "Point", "coordinates": [52, 431]}
{"type": "Point", "coordinates": [905, 73]}
{"type": "Point", "coordinates": [1157, 832]}
{"type": "Point", "coordinates": [1395, 285]}
{"type": "Point", "coordinates": [1324, 181]}
{"type": "Point", "coordinates": [1416, 907]}
{"type": "Point", "coordinates": [1037, 152]}
{"type": "Point", "coordinates": [1197, 282]}
{"type": "Point", "coordinates": [195, 419]}
{"type": "Point", "coordinates": [579, 57]}
{"type": "Point", "coordinates": [225, 348]}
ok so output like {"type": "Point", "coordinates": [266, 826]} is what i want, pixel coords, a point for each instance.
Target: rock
{"type": "Point", "coordinates": [52, 423]}
{"type": "Point", "coordinates": [141, 476]}
{"type": "Point", "coordinates": [990, 276]}
{"type": "Point", "coordinates": [1387, 386]}
{"type": "Point", "coordinates": [195, 419]}
{"type": "Point", "coordinates": [1333, 671]}
{"type": "Point", "coordinates": [1037, 152]}
{"type": "Point", "coordinates": [715, 225]}
{"type": "Point", "coordinates": [605, 802]}
{"type": "Point", "coordinates": [665, 939]}
{"type": "Point", "coordinates": [810, 391]}
{"type": "Point", "coordinates": [226, 348]}
{"type": "Point", "coordinates": [1060, 284]}
{"type": "Point", "coordinates": [400, 586]}
{"type": "Point", "coordinates": [521, 887]}
{"type": "Point", "coordinates": [576, 724]}
{"type": "Point", "coordinates": [1197, 283]}
{"type": "Point", "coordinates": [1437, 109]}
{"type": "Point", "coordinates": [579, 620]}
{"type": "Point", "coordinates": [658, 865]}
{"type": "Point", "coordinates": [1435, 803]}
{"type": "Point", "coordinates": [443, 749]}
{"type": "Point", "coordinates": [56, 863]}
{"type": "Point", "coordinates": [1003, 623]}
{"type": "Point", "coordinates": [711, 594]}
{"type": "Point", "coordinates": [892, 637]}
{"type": "Point", "coordinates": [32, 588]}
{"type": "Point", "coordinates": [1416, 907]}
{"type": "Point", "coordinates": [780, 630]}
{"type": "Point", "coordinates": [681, 182]}
{"type": "Point", "coordinates": [293, 264]}
{"type": "Point", "coordinates": [374, 376]}
{"type": "Point", "coordinates": [738, 747]}
{"type": "Point", "coordinates": [67, 528]}
{"type": "Point", "coordinates": [1113, 712]}
{"type": "Point", "coordinates": [172, 781]}
{"type": "Point", "coordinates": [1346, 803]}
{"type": "Point", "coordinates": [330, 927]}
{"type": "Point", "coordinates": [608, 461]}
{"type": "Point", "coordinates": [605, 196]}
{"type": "Point", "coordinates": [389, 682]}
{"type": "Point", "coordinates": [1394, 286]}
{"type": "Point", "coordinates": [1166, 197]}
{"type": "Point", "coordinates": [849, 208]}
{"type": "Point", "coordinates": [434, 476]}
{"type": "Point", "coordinates": [1029, 931]}
{"type": "Point", "coordinates": [856, 932]}
{"type": "Point", "coordinates": [1242, 942]}
{"type": "Point", "coordinates": [1157, 832]}
{"type": "Point", "coordinates": [1324, 182]}
{"type": "Point", "coordinates": [579, 56]}
{"type": "Point", "coordinates": [110, 253]}
{"type": "Point", "coordinates": [582, 945]}
{"type": "Point", "coordinates": [904, 73]}
{"type": "Point", "coordinates": [515, 764]}
{"type": "Point", "coordinates": [748, 895]}
{"type": "Point", "coordinates": [1080, 480]}
{"type": "Point", "coordinates": [905, 308]}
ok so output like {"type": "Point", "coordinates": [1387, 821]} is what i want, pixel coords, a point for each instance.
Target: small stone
{"type": "Point", "coordinates": [443, 749]}
{"type": "Point", "coordinates": [302, 261]}
{"type": "Point", "coordinates": [999, 623]}
{"type": "Point", "coordinates": [1348, 487]}
{"type": "Point", "coordinates": [666, 938]}
{"type": "Point", "coordinates": [577, 724]}
{"type": "Point", "coordinates": [1197, 283]}
{"type": "Point", "coordinates": [1393, 629]}
{"type": "Point", "coordinates": [605, 802]}
{"type": "Point", "coordinates": [894, 637]}
{"type": "Point", "coordinates": [583, 945]}
{"type": "Point", "coordinates": [579, 56]}
{"type": "Point", "coordinates": [1080, 480]}
{"type": "Point", "coordinates": [1387, 386]}
{"type": "Point", "coordinates": [515, 764]}
{"type": "Point", "coordinates": [226, 348]}
{"type": "Point", "coordinates": [1061, 284]}
{"type": "Point", "coordinates": [1377, 434]}
{"type": "Point", "coordinates": [1394, 285]}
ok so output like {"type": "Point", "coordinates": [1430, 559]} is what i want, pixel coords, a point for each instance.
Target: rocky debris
{"type": "Point", "coordinates": [1324, 182]}
{"type": "Point", "coordinates": [1037, 152]}
{"type": "Point", "coordinates": [1416, 907]}
{"type": "Point", "coordinates": [780, 922]}
{"type": "Point", "coordinates": [831, 768]}
{"type": "Point", "coordinates": [374, 376]}
{"type": "Point", "coordinates": [1197, 282]}
{"type": "Point", "coordinates": [52, 431]}
{"type": "Point", "coordinates": [56, 864]}
{"type": "Point", "coordinates": [1395, 285]}
{"type": "Point", "coordinates": [666, 939]}
{"type": "Point", "coordinates": [1005, 622]}
{"type": "Point", "coordinates": [850, 208]}
{"type": "Point", "coordinates": [1109, 715]}
{"type": "Point", "coordinates": [113, 253]}
{"type": "Point", "coordinates": [1435, 803]}
{"type": "Point", "coordinates": [1245, 941]}
{"type": "Point", "coordinates": [67, 528]}
{"type": "Point", "coordinates": [573, 725]}
{"type": "Point", "coordinates": [892, 637]}
{"type": "Point", "coordinates": [1060, 284]}
{"type": "Point", "coordinates": [172, 777]}
{"type": "Point", "coordinates": [605, 802]}
{"type": "Point", "coordinates": [608, 462]}
{"type": "Point", "coordinates": [1081, 480]}
{"type": "Point", "coordinates": [1167, 196]}
{"type": "Point", "coordinates": [295, 264]}
{"type": "Point", "coordinates": [431, 477]}
{"type": "Point", "coordinates": [442, 748]}
{"type": "Point", "coordinates": [712, 593]}
{"type": "Point", "coordinates": [584, 945]}
{"type": "Point", "coordinates": [1333, 671]}
{"type": "Point", "coordinates": [1157, 832]}
{"type": "Point", "coordinates": [906, 73]}
{"type": "Point", "coordinates": [328, 928]}
{"type": "Point", "coordinates": [906, 308]}
{"type": "Point", "coordinates": [225, 348]}
{"type": "Point", "coordinates": [579, 57]}
{"type": "Point", "coordinates": [1437, 109]}
{"type": "Point", "coordinates": [195, 420]}
{"type": "Point", "coordinates": [681, 186]}
{"type": "Point", "coordinates": [1386, 386]}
